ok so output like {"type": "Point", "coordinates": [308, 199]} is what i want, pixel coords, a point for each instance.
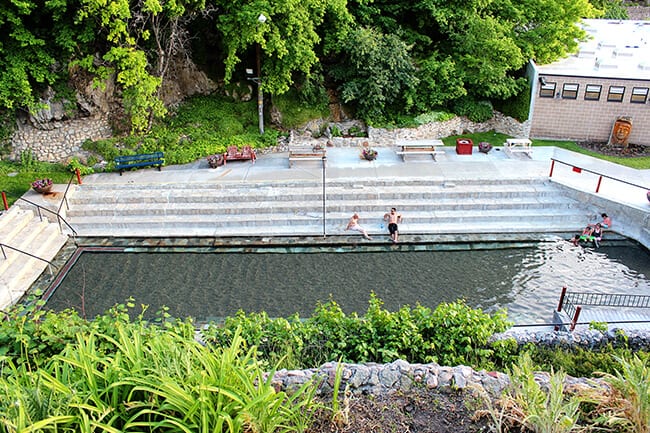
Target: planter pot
{"type": "Point", "coordinates": [43, 190]}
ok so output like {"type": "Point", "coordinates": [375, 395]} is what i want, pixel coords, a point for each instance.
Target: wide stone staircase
{"type": "Point", "coordinates": [29, 243]}
{"type": "Point", "coordinates": [296, 208]}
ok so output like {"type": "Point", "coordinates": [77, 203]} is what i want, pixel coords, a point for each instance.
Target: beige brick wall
{"type": "Point", "coordinates": [582, 120]}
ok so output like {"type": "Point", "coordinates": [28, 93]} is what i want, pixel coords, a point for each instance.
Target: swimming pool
{"type": "Point", "coordinates": [211, 283]}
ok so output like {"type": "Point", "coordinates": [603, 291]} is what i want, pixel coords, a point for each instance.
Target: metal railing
{"type": "Point", "coordinates": [56, 213]}
{"type": "Point", "coordinates": [572, 302]}
{"type": "Point", "coordinates": [578, 169]}
{"type": "Point", "coordinates": [59, 218]}
{"type": "Point", "coordinates": [4, 255]}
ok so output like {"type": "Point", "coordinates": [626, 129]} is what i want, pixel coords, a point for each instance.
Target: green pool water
{"type": "Point", "coordinates": [212, 285]}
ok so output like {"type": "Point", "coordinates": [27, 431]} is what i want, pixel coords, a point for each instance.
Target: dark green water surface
{"type": "Point", "coordinates": [526, 281]}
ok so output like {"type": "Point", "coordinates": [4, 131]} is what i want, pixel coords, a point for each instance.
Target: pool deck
{"type": "Point", "coordinates": [344, 164]}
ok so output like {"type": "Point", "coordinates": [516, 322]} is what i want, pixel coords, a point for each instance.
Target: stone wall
{"type": "Point", "coordinates": [400, 376]}
{"type": "Point", "coordinates": [379, 137]}
{"type": "Point", "coordinates": [61, 140]}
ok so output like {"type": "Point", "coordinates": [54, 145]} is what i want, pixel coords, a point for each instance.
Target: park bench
{"type": "Point", "coordinates": [419, 147]}
{"type": "Point", "coordinates": [305, 153]}
{"type": "Point", "coordinates": [519, 145]}
{"type": "Point", "coordinates": [233, 154]}
{"type": "Point", "coordinates": [123, 162]}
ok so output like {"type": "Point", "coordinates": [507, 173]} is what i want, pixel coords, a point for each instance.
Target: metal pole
{"type": "Point", "coordinates": [559, 305]}
{"type": "Point", "coordinates": [260, 96]}
{"type": "Point", "coordinates": [324, 197]}
{"type": "Point", "coordinates": [552, 166]}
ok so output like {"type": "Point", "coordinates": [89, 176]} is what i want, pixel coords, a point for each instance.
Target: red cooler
{"type": "Point", "coordinates": [464, 146]}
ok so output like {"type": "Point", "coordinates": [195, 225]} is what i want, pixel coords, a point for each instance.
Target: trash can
{"type": "Point", "coordinates": [464, 146]}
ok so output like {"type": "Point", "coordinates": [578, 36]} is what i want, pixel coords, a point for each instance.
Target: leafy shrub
{"type": "Point", "coordinates": [451, 334]}
{"type": "Point", "coordinates": [517, 106]}
{"type": "Point", "coordinates": [476, 111]}
{"type": "Point", "coordinates": [433, 116]}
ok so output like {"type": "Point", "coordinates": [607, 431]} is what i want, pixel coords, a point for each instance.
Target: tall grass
{"type": "Point", "coordinates": [631, 408]}
{"type": "Point", "coordinates": [545, 411]}
{"type": "Point", "coordinates": [158, 381]}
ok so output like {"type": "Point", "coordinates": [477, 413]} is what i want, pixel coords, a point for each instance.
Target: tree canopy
{"type": "Point", "coordinates": [385, 58]}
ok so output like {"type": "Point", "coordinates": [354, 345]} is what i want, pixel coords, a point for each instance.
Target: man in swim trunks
{"type": "Point", "coordinates": [353, 224]}
{"type": "Point", "coordinates": [393, 219]}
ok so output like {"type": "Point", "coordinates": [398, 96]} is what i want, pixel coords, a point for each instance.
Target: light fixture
{"type": "Point", "coordinates": [261, 19]}
{"type": "Point", "coordinates": [542, 81]}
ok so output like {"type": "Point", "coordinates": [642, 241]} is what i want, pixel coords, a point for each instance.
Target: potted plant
{"type": "Point", "coordinates": [367, 152]}
{"type": "Point", "coordinates": [215, 160]}
{"type": "Point", "coordinates": [42, 185]}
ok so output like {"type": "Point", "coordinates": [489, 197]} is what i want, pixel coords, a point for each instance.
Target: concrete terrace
{"type": "Point", "coordinates": [456, 198]}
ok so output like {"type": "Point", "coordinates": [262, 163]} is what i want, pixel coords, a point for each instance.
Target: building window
{"type": "Point", "coordinates": [570, 91]}
{"type": "Point", "coordinates": [639, 95]}
{"type": "Point", "coordinates": [592, 92]}
{"type": "Point", "coordinates": [616, 93]}
{"type": "Point", "coordinates": [547, 90]}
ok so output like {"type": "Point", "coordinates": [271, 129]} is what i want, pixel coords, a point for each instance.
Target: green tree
{"type": "Point", "coordinates": [36, 41]}
{"type": "Point", "coordinates": [376, 73]}
{"type": "Point", "coordinates": [287, 39]}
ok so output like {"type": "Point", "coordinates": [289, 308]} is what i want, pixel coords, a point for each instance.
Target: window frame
{"type": "Point", "coordinates": [570, 94]}
{"type": "Point", "coordinates": [644, 95]}
{"type": "Point", "coordinates": [590, 92]}
{"type": "Point", "coordinates": [613, 95]}
{"type": "Point", "coordinates": [547, 90]}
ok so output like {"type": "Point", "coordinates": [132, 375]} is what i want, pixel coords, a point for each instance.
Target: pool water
{"type": "Point", "coordinates": [209, 286]}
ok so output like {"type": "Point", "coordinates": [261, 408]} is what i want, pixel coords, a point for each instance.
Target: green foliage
{"type": "Point", "coordinates": [298, 109]}
{"type": "Point", "coordinates": [201, 126]}
{"type": "Point", "coordinates": [451, 334]}
{"type": "Point", "coordinates": [376, 74]}
{"type": "Point", "coordinates": [632, 380]}
{"type": "Point", "coordinates": [287, 39]}
{"type": "Point", "coordinates": [75, 165]}
{"type": "Point", "coordinates": [137, 377]}
{"type": "Point", "coordinates": [545, 411]}
{"type": "Point", "coordinates": [476, 111]}
{"type": "Point", "coordinates": [433, 116]}
{"type": "Point", "coordinates": [517, 106]}
{"type": "Point", "coordinates": [611, 9]}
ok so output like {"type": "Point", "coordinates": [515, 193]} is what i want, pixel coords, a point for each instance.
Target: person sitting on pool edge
{"type": "Point", "coordinates": [585, 236]}
{"type": "Point", "coordinates": [353, 224]}
{"type": "Point", "coordinates": [597, 235]}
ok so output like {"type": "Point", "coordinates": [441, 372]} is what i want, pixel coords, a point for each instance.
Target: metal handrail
{"type": "Point", "coordinates": [59, 217]}
{"type": "Point", "coordinates": [601, 175]}
{"type": "Point", "coordinates": [609, 300]}
{"type": "Point", "coordinates": [4, 255]}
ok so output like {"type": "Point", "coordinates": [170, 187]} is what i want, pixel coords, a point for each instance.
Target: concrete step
{"type": "Point", "coordinates": [23, 241]}
{"type": "Point", "coordinates": [266, 193]}
{"type": "Point", "coordinates": [335, 224]}
{"type": "Point", "coordinates": [282, 206]}
{"type": "Point", "coordinates": [32, 236]}
{"type": "Point", "coordinates": [12, 222]}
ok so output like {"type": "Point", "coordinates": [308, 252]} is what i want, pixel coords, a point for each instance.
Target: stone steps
{"type": "Point", "coordinates": [296, 208]}
{"type": "Point", "coordinates": [23, 230]}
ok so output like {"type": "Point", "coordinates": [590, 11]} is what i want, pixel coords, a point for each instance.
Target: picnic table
{"type": "Point", "coordinates": [419, 147]}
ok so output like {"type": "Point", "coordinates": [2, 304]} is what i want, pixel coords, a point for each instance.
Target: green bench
{"type": "Point", "coordinates": [124, 162]}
